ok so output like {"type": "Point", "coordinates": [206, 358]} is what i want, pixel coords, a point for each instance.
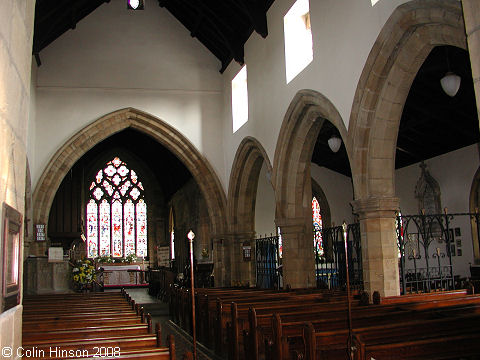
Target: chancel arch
{"type": "Point", "coordinates": [402, 46]}
{"type": "Point", "coordinates": [250, 159]}
{"type": "Point", "coordinates": [304, 119]}
{"type": "Point", "coordinates": [114, 123]}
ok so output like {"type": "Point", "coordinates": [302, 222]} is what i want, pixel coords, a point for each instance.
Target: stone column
{"type": "Point", "coordinates": [379, 245]}
{"type": "Point", "coordinates": [243, 271]}
{"type": "Point", "coordinates": [471, 15]}
{"type": "Point", "coordinates": [298, 257]}
{"type": "Point", "coordinates": [221, 260]}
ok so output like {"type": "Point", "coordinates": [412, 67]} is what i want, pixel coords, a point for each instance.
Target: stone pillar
{"type": "Point", "coordinates": [298, 257]}
{"type": "Point", "coordinates": [243, 271]}
{"type": "Point", "coordinates": [221, 260]}
{"type": "Point", "coordinates": [379, 245]}
{"type": "Point", "coordinates": [471, 15]}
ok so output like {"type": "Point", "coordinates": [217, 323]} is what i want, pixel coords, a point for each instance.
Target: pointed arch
{"type": "Point", "coordinates": [243, 184]}
{"type": "Point", "coordinates": [292, 181]}
{"type": "Point", "coordinates": [113, 123]}
{"type": "Point", "coordinates": [403, 44]}
{"type": "Point", "coordinates": [298, 134]}
{"type": "Point", "coordinates": [474, 208]}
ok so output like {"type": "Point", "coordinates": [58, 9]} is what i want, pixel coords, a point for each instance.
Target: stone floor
{"type": "Point", "coordinates": [159, 312]}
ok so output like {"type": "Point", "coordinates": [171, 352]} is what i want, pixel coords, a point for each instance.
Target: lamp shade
{"type": "Point", "coordinates": [450, 83]}
{"type": "Point", "coordinates": [135, 4]}
{"type": "Point", "coordinates": [334, 143]}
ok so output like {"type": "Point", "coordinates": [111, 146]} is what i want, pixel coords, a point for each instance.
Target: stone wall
{"type": "Point", "coordinates": [16, 34]}
{"type": "Point", "coordinates": [190, 213]}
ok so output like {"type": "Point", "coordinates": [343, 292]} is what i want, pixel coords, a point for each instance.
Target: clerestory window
{"type": "Point", "coordinates": [298, 39]}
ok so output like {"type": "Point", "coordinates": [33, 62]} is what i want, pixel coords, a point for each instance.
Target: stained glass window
{"type": "Point", "coordinates": [116, 213]}
{"type": "Point", "coordinates": [171, 228]}
{"type": "Point", "coordinates": [92, 226]}
{"type": "Point", "coordinates": [280, 243]}
{"type": "Point", "coordinates": [399, 230]}
{"type": "Point", "coordinates": [317, 227]}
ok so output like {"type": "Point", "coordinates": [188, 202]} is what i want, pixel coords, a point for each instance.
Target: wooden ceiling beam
{"type": "Point", "coordinates": [257, 12]}
{"type": "Point", "coordinates": [221, 30]}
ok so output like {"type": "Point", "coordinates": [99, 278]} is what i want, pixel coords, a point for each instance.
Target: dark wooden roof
{"type": "Point", "coordinates": [432, 122]}
{"type": "Point", "coordinates": [222, 26]}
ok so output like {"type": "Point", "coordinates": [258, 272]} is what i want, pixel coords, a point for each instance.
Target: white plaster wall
{"type": "Point", "coordinates": [265, 205]}
{"type": "Point", "coordinates": [116, 59]}
{"type": "Point", "coordinates": [338, 190]}
{"type": "Point", "coordinates": [16, 34]}
{"type": "Point", "coordinates": [343, 35]}
{"type": "Point", "coordinates": [31, 131]}
{"type": "Point", "coordinates": [454, 173]}
{"type": "Point", "coordinates": [11, 335]}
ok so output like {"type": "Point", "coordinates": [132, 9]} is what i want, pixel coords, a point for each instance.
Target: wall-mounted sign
{"type": "Point", "coordinates": [40, 232]}
{"type": "Point", "coordinates": [163, 255]}
{"type": "Point", "coordinates": [55, 254]}
{"type": "Point", "coordinates": [247, 251]}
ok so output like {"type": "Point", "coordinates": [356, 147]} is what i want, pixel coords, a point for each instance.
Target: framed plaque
{"type": "Point", "coordinates": [40, 232]}
{"type": "Point", "coordinates": [11, 259]}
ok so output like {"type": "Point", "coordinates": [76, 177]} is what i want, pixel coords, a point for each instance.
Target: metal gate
{"type": "Point", "coordinates": [426, 244]}
{"type": "Point", "coordinates": [266, 257]}
{"type": "Point", "coordinates": [330, 266]}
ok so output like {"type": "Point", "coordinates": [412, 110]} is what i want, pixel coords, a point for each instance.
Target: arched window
{"type": "Point", "coordinates": [171, 228]}
{"type": "Point", "coordinates": [317, 227]}
{"type": "Point", "coordinates": [399, 230]}
{"type": "Point", "coordinates": [280, 243]}
{"type": "Point", "coordinates": [116, 213]}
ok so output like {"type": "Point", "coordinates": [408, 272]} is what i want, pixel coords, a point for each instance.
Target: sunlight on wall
{"type": "Point", "coordinates": [240, 99]}
{"type": "Point", "coordinates": [374, 2]}
{"type": "Point", "coordinates": [298, 39]}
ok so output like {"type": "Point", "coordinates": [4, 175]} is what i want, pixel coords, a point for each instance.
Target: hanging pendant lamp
{"type": "Point", "coordinates": [334, 143]}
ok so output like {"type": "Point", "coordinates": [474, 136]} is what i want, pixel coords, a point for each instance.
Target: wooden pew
{"type": "Point", "coordinates": [58, 352]}
{"type": "Point", "coordinates": [236, 313]}
{"type": "Point", "coordinates": [205, 304]}
{"type": "Point", "coordinates": [287, 327]}
{"type": "Point", "coordinates": [254, 317]}
{"type": "Point", "coordinates": [332, 343]}
{"type": "Point", "coordinates": [458, 344]}
{"type": "Point", "coordinates": [36, 325]}
{"type": "Point", "coordinates": [80, 326]}
{"type": "Point", "coordinates": [88, 332]}
{"type": "Point", "coordinates": [223, 314]}
{"type": "Point", "coordinates": [423, 297]}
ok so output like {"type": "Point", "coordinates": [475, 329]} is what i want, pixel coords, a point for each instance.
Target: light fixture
{"type": "Point", "coordinates": [450, 83]}
{"type": "Point", "coordinates": [334, 143]}
{"type": "Point", "coordinates": [135, 4]}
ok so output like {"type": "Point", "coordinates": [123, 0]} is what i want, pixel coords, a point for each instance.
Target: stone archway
{"type": "Point", "coordinates": [405, 41]}
{"type": "Point", "coordinates": [474, 208]}
{"type": "Point", "coordinates": [242, 192]}
{"type": "Point", "coordinates": [292, 181]}
{"type": "Point", "coordinates": [165, 134]}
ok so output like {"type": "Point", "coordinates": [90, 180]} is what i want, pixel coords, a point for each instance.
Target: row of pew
{"type": "Point", "coordinates": [107, 325]}
{"type": "Point", "coordinates": [314, 324]}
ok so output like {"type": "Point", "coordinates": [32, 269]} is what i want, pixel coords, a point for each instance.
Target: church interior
{"type": "Point", "coordinates": [292, 151]}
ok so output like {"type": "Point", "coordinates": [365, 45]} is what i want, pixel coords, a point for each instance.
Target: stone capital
{"type": "Point", "coordinates": [376, 207]}
{"type": "Point", "coordinates": [237, 236]}
{"type": "Point", "coordinates": [290, 226]}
